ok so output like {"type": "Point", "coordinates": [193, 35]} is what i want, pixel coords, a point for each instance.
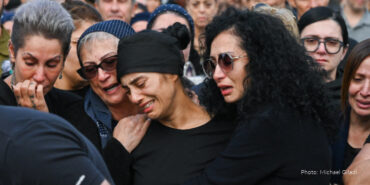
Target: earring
{"type": "Point", "coordinates": [60, 76]}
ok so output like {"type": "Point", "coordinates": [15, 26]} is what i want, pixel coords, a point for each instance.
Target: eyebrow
{"type": "Point", "coordinates": [107, 55]}
{"type": "Point", "coordinates": [133, 81]}
{"type": "Point", "coordinates": [27, 54]}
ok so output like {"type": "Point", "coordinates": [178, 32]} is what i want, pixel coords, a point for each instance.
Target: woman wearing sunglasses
{"type": "Point", "coordinates": [38, 48]}
{"type": "Point", "coordinates": [285, 125]}
{"type": "Point", "coordinates": [106, 101]}
{"type": "Point", "coordinates": [182, 137]}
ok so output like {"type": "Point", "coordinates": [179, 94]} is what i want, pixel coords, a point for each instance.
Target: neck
{"type": "Point", "coordinates": [185, 115]}
{"type": "Point", "coordinates": [331, 76]}
{"type": "Point", "coordinates": [359, 130]}
{"type": "Point", "coordinates": [122, 110]}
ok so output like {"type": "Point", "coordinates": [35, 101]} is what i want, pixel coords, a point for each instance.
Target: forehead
{"type": "Point", "coordinates": [96, 48]}
{"type": "Point", "coordinates": [226, 42]}
{"type": "Point", "coordinates": [364, 67]}
{"type": "Point", "coordinates": [167, 19]}
{"type": "Point", "coordinates": [323, 29]}
{"type": "Point", "coordinates": [39, 44]}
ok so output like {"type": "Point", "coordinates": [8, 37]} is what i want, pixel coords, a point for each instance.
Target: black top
{"type": "Point", "coordinates": [368, 139]}
{"type": "Point", "coordinates": [43, 149]}
{"type": "Point", "coordinates": [349, 154]}
{"type": "Point", "coordinates": [168, 156]}
{"type": "Point", "coordinates": [274, 145]}
{"type": "Point", "coordinates": [64, 104]}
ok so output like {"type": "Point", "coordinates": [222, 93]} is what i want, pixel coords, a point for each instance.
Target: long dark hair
{"type": "Point", "coordinates": [278, 71]}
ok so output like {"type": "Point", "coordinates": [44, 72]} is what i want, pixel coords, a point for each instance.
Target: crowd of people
{"type": "Point", "coordinates": [185, 92]}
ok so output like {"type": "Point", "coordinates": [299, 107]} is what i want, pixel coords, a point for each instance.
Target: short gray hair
{"type": "Point", "coordinates": [46, 18]}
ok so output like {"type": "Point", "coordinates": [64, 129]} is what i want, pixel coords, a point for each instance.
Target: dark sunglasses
{"type": "Point", "coordinates": [225, 61]}
{"type": "Point", "coordinates": [91, 70]}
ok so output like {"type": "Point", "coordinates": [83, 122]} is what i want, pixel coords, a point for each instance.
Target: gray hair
{"type": "Point", "coordinates": [95, 36]}
{"type": "Point", "coordinates": [46, 18]}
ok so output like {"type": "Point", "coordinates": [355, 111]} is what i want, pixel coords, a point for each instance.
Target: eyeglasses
{"type": "Point", "coordinates": [312, 44]}
{"type": "Point", "coordinates": [225, 61]}
{"type": "Point", "coordinates": [90, 71]}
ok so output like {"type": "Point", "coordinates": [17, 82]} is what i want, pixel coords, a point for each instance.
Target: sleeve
{"type": "Point", "coordinates": [118, 161]}
{"type": "Point", "coordinates": [248, 158]}
{"type": "Point", "coordinates": [48, 155]}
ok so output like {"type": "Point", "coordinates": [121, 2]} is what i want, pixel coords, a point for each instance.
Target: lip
{"type": "Point", "coordinates": [115, 17]}
{"type": "Point", "coordinates": [115, 87]}
{"type": "Point", "coordinates": [225, 89]}
{"type": "Point", "coordinates": [363, 104]}
{"type": "Point", "coordinates": [148, 109]}
{"type": "Point", "coordinates": [321, 60]}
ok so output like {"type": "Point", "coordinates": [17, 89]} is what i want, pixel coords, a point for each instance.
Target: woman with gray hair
{"type": "Point", "coordinates": [38, 48]}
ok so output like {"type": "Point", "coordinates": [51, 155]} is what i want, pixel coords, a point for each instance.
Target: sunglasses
{"type": "Point", "coordinates": [225, 61]}
{"type": "Point", "coordinates": [90, 71]}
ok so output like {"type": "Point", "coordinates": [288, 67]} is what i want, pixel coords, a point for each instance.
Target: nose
{"type": "Point", "coordinates": [218, 74]}
{"type": "Point", "coordinates": [321, 49]}
{"type": "Point", "coordinates": [114, 7]}
{"type": "Point", "coordinates": [365, 91]}
{"type": "Point", "coordinates": [135, 97]}
{"type": "Point", "coordinates": [202, 8]}
{"type": "Point", "coordinates": [102, 75]}
{"type": "Point", "coordinates": [39, 75]}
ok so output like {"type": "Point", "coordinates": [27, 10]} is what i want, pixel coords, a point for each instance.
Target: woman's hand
{"type": "Point", "coordinates": [30, 94]}
{"type": "Point", "coordinates": [131, 130]}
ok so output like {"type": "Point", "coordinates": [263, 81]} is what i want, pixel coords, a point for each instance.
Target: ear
{"type": "Point", "coordinates": [292, 3]}
{"type": "Point", "coordinates": [11, 52]}
{"type": "Point", "coordinates": [172, 77]}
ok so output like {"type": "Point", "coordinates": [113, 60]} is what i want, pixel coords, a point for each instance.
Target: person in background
{"type": "Point", "coordinates": [355, 100]}
{"type": "Point", "coordinates": [140, 21]}
{"type": "Point", "coordinates": [83, 16]}
{"type": "Point", "coordinates": [324, 35]}
{"type": "Point", "coordinates": [357, 19]}
{"type": "Point", "coordinates": [302, 6]}
{"type": "Point", "coordinates": [165, 16]}
{"type": "Point", "coordinates": [284, 121]}
{"type": "Point", "coordinates": [4, 38]}
{"type": "Point", "coordinates": [139, 8]}
{"type": "Point", "coordinates": [202, 12]}
{"type": "Point", "coordinates": [42, 149]}
{"type": "Point", "coordinates": [106, 101]}
{"type": "Point", "coordinates": [152, 5]}
{"type": "Point", "coordinates": [115, 9]}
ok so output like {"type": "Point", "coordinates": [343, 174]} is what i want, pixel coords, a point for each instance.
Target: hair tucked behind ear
{"type": "Point", "coordinates": [181, 33]}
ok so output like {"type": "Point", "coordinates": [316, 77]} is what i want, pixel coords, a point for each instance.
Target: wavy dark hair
{"type": "Point", "coordinates": [278, 71]}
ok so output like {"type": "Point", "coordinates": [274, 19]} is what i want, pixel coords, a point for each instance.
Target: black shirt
{"type": "Point", "coordinates": [168, 156]}
{"type": "Point", "coordinates": [274, 145]}
{"type": "Point", "coordinates": [349, 154]}
{"type": "Point", "coordinates": [37, 148]}
{"type": "Point", "coordinates": [368, 139]}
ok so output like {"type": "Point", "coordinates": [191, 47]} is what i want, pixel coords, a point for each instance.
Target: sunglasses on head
{"type": "Point", "coordinates": [225, 61]}
{"type": "Point", "coordinates": [90, 71]}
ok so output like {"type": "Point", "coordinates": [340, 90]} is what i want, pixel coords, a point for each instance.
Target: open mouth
{"type": "Point", "coordinates": [111, 88]}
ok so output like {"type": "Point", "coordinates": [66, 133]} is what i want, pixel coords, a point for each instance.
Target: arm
{"type": "Point", "coordinates": [126, 136]}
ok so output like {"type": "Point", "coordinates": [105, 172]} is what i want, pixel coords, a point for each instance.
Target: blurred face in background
{"type": "Point", "coordinates": [152, 5]}
{"type": "Point", "coordinates": [72, 64]}
{"type": "Point", "coordinates": [202, 11]}
{"type": "Point", "coordinates": [115, 9]}
{"type": "Point", "coordinates": [167, 19]}
{"type": "Point", "coordinates": [303, 6]}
